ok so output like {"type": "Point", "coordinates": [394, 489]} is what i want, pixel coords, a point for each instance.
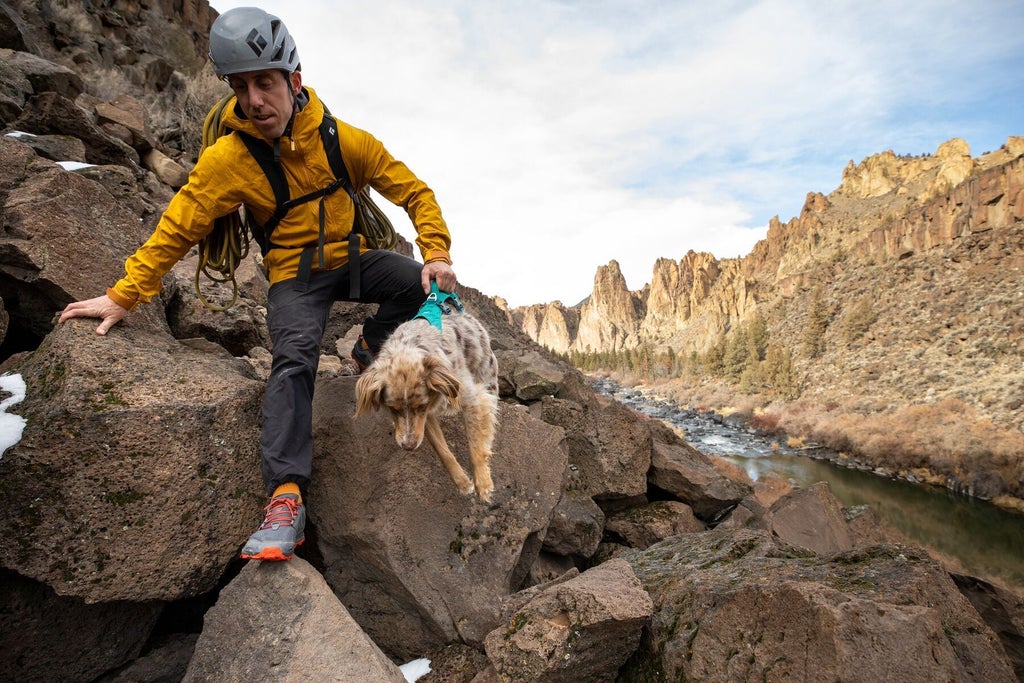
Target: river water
{"type": "Point", "coordinates": [984, 540]}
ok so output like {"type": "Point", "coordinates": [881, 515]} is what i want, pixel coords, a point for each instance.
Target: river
{"type": "Point", "coordinates": [983, 539]}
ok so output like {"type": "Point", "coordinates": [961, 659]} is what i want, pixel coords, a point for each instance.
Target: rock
{"type": "Point", "coordinates": [608, 446]}
{"type": "Point", "coordinates": [282, 617]}
{"type": "Point", "coordinates": [46, 637]}
{"type": "Point", "coordinates": [167, 662]}
{"type": "Point", "coordinates": [644, 526]}
{"type": "Point", "coordinates": [52, 219]}
{"type": "Point", "coordinates": [418, 564]}
{"type": "Point", "coordinates": [529, 376]}
{"type": "Point", "coordinates": [611, 316]}
{"type": "Point", "coordinates": [811, 518]}
{"type": "Point", "coordinates": [686, 473]}
{"type": "Point", "coordinates": [1002, 610]}
{"type": "Point", "coordinates": [740, 605]}
{"type": "Point", "coordinates": [455, 663]}
{"type": "Point", "coordinates": [166, 169]}
{"type": "Point", "coordinates": [137, 476]}
{"type": "Point", "coordinates": [52, 113]}
{"type": "Point", "coordinates": [581, 630]}
{"type": "Point", "coordinates": [55, 147]}
{"type": "Point", "coordinates": [577, 523]}
{"type": "Point", "coordinates": [240, 328]}
{"type": "Point", "coordinates": [44, 75]}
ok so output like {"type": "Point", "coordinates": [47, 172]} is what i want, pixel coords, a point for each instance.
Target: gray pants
{"type": "Point", "coordinates": [296, 317]}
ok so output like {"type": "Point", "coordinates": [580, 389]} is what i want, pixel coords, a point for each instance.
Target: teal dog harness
{"type": "Point", "coordinates": [437, 305]}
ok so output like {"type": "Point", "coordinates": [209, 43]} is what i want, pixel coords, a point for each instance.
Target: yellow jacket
{"type": "Point", "coordinates": [227, 176]}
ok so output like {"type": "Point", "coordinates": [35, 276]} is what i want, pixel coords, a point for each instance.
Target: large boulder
{"type": "Point", "coordinates": [742, 605]}
{"type": "Point", "coordinates": [280, 621]}
{"type": "Point", "coordinates": [811, 518]}
{"type": "Point", "coordinates": [137, 477]}
{"type": "Point", "coordinates": [417, 563]}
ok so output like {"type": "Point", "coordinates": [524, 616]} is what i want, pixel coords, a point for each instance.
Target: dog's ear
{"type": "Point", "coordinates": [369, 391]}
{"type": "Point", "coordinates": [442, 380]}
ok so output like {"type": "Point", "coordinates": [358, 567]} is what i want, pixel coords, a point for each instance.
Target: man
{"type": "Point", "coordinates": [308, 259]}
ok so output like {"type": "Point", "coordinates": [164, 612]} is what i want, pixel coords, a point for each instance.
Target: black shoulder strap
{"type": "Point", "coordinates": [264, 156]}
{"type": "Point", "coordinates": [332, 147]}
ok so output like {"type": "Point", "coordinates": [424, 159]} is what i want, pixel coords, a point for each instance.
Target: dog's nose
{"type": "Point", "coordinates": [408, 443]}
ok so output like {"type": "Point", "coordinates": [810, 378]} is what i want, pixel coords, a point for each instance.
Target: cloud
{"type": "Point", "coordinates": [559, 135]}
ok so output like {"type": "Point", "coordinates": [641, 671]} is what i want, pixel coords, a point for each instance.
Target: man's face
{"type": "Point", "coordinates": [266, 98]}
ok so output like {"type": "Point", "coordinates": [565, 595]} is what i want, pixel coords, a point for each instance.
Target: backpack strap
{"type": "Point", "coordinates": [264, 156]}
{"type": "Point", "coordinates": [332, 147]}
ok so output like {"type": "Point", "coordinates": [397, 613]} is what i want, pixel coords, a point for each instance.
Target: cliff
{"type": "Point", "coordinates": [933, 243]}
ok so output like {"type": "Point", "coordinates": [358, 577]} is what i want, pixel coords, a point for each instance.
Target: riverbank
{"type": "Point", "coordinates": [943, 445]}
{"type": "Point", "coordinates": [967, 535]}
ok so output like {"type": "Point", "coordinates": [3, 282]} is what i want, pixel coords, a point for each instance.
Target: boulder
{"type": "Point", "coordinates": [166, 169]}
{"type": "Point", "coordinates": [54, 147]}
{"type": "Point", "coordinates": [582, 629]}
{"type": "Point", "coordinates": [608, 445]}
{"type": "Point", "coordinates": [742, 605]}
{"type": "Point", "coordinates": [418, 564]}
{"type": "Point", "coordinates": [577, 524]}
{"type": "Point", "coordinates": [240, 328]}
{"type": "Point", "coordinates": [811, 518]}
{"type": "Point", "coordinates": [137, 476]}
{"type": "Point", "coordinates": [65, 238]}
{"type": "Point", "coordinates": [52, 113]}
{"type": "Point", "coordinates": [44, 75]}
{"type": "Point", "coordinates": [689, 475]}
{"type": "Point", "coordinates": [280, 621]}
{"type": "Point", "coordinates": [643, 526]}
{"type": "Point", "coordinates": [46, 637]}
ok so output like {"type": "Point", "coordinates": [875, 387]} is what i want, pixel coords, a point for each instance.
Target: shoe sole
{"type": "Point", "coordinates": [272, 554]}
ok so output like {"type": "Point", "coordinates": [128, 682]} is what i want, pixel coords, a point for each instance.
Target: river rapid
{"type": "Point", "coordinates": [980, 538]}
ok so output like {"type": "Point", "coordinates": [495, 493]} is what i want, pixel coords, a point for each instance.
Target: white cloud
{"type": "Point", "coordinates": [559, 135]}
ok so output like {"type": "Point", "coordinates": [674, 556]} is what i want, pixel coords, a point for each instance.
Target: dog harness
{"type": "Point", "coordinates": [436, 305]}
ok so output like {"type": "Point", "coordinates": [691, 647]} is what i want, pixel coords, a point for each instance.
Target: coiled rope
{"type": "Point", "coordinates": [227, 244]}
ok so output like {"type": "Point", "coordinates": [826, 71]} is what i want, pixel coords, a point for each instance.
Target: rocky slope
{"type": "Point", "coordinates": [612, 551]}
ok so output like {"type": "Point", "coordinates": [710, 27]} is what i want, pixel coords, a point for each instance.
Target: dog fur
{"type": "Point", "coordinates": [421, 373]}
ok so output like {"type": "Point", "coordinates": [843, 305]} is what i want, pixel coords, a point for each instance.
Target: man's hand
{"type": "Point", "coordinates": [101, 307]}
{"type": "Point", "coordinates": [442, 273]}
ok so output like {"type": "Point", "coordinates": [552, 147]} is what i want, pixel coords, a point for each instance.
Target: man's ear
{"type": "Point", "coordinates": [295, 79]}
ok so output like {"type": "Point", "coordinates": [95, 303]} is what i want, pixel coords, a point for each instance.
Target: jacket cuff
{"type": "Point", "coordinates": [121, 300]}
{"type": "Point", "coordinates": [437, 255]}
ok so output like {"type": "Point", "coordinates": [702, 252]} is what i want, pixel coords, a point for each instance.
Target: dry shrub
{"type": "Point", "coordinates": [948, 438]}
{"type": "Point", "coordinates": [766, 421]}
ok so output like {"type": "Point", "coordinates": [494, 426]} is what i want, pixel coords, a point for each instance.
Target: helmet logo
{"type": "Point", "coordinates": [256, 42]}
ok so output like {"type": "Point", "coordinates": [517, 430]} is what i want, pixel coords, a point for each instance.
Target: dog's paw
{"type": "Point", "coordinates": [484, 487]}
{"type": "Point", "coordinates": [468, 488]}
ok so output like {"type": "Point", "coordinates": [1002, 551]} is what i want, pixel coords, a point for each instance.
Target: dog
{"type": "Point", "coordinates": [421, 373]}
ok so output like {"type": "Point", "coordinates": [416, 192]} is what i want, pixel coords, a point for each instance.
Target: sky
{"type": "Point", "coordinates": [559, 135]}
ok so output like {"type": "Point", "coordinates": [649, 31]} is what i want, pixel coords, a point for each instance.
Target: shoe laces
{"type": "Point", "coordinates": [281, 511]}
